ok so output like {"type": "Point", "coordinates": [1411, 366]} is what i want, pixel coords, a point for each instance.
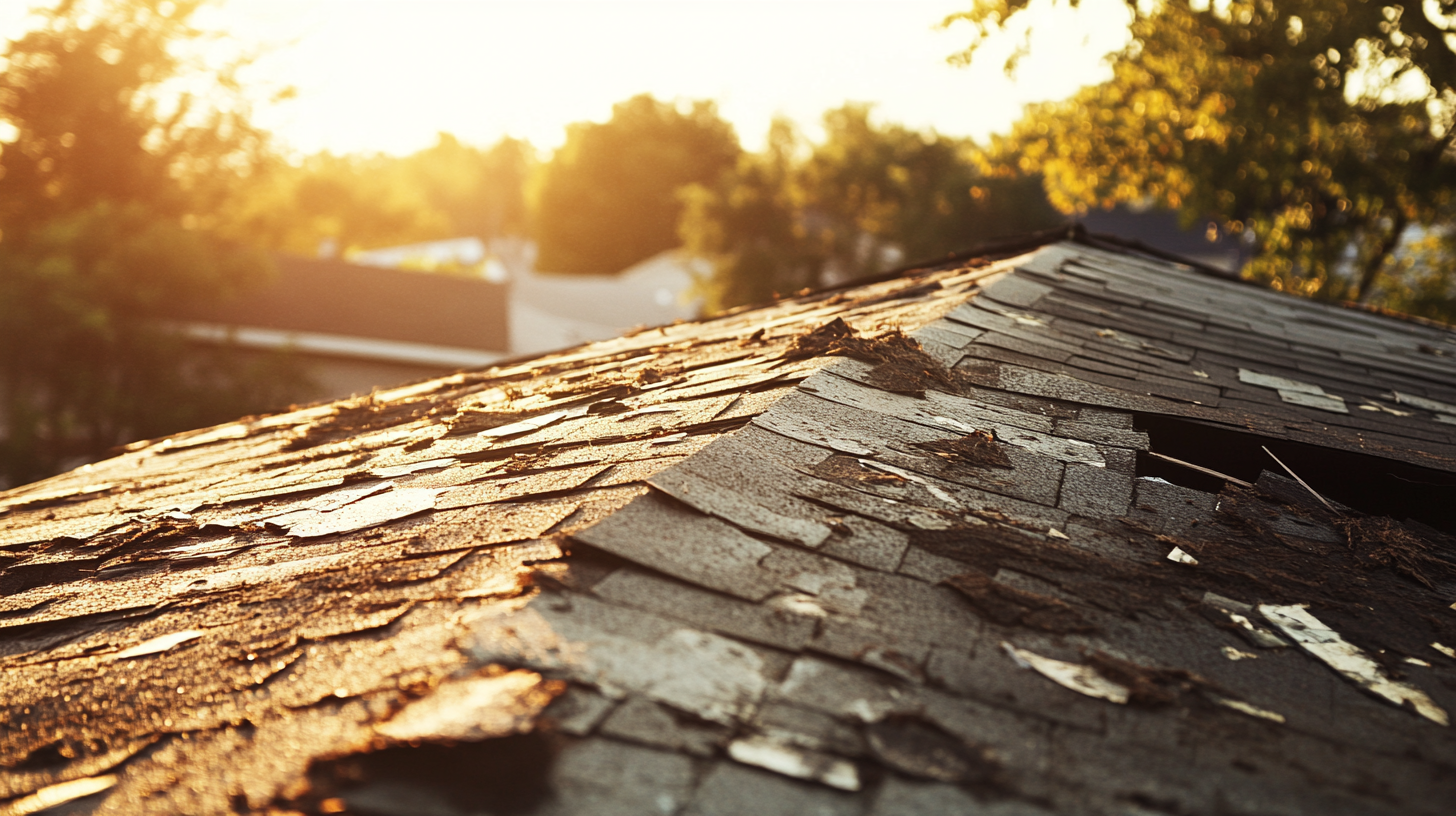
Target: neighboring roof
{"type": "Point", "coordinates": [342, 301]}
{"type": "Point", "coordinates": [786, 561]}
{"type": "Point", "coordinates": [1161, 229]}
{"type": "Point", "coordinates": [550, 311]}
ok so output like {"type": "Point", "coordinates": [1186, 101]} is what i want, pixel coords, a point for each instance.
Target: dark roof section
{"type": "Point", "coordinates": [1163, 230]}
{"type": "Point", "coordinates": [787, 561]}
{"type": "Point", "coordinates": [339, 298]}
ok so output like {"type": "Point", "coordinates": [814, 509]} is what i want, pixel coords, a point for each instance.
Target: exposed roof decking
{"type": "Point", "coordinates": [825, 596]}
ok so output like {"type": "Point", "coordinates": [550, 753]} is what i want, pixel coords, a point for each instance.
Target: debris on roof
{"type": "Point", "coordinates": [1014, 535]}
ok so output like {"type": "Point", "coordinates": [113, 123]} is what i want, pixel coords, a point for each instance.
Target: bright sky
{"type": "Point", "coordinates": [387, 75]}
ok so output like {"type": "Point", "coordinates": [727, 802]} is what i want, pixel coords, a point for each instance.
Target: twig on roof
{"type": "Point", "coordinates": [1209, 471]}
{"type": "Point", "coordinates": [1311, 490]}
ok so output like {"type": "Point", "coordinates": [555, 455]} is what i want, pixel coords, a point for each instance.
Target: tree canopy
{"type": "Point", "coordinates": [1323, 128]}
{"type": "Point", "coordinates": [868, 198]}
{"type": "Point", "coordinates": [106, 188]}
{"type": "Point", "coordinates": [448, 190]}
{"type": "Point", "coordinates": [609, 197]}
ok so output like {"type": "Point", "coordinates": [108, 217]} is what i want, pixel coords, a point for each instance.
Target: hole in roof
{"type": "Point", "coordinates": [1370, 484]}
{"type": "Point", "coordinates": [508, 775]}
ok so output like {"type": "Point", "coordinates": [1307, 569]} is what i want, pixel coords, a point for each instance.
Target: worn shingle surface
{"type": "Point", "coordinates": [897, 549]}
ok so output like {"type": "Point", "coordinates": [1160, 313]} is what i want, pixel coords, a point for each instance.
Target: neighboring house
{"type": "Point", "coordinates": [357, 328]}
{"type": "Point", "coordinates": [553, 311]}
{"type": "Point", "coordinates": [1002, 536]}
{"type": "Point", "coordinates": [550, 311]}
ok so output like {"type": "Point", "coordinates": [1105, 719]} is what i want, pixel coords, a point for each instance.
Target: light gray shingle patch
{"type": "Point", "coordinates": [651, 529]}
{"type": "Point", "coordinates": [1425, 404]}
{"type": "Point", "coordinates": [1323, 402]}
{"type": "Point", "coordinates": [1282, 384]}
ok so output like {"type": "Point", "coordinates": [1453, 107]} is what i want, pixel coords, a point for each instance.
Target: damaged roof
{"type": "Point", "coordinates": [1075, 531]}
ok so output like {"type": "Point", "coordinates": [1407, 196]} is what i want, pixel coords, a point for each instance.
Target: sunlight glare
{"type": "Point", "coordinates": [388, 75]}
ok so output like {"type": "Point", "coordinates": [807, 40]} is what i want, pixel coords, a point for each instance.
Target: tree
{"type": "Point", "coordinates": [482, 193]}
{"type": "Point", "coordinates": [448, 190]}
{"type": "Point", "coordinates": [107, 188]}
{"type": "Point", "coordinates": [609, 197]}
{"type": "Point", "coordinates": [1322, 127]}
{"type": "Point", "coordinates": [868, 198]}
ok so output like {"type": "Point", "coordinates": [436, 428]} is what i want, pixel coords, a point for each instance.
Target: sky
{"type": "Point", "coordinates": [388, 75]}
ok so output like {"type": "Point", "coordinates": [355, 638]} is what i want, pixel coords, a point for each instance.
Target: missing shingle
{"type": "Point", "coordinates": [1211, 457]}
{"type": "Point", "coordinates": [507, 775]}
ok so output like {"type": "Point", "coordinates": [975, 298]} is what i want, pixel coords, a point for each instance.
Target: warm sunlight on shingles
{"type": "Point", "coordinates": [387, 75]}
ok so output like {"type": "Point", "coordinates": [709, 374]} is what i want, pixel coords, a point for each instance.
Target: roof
{"type": "Point", "coordinates": [914, 547]}
{"type": "Point", "coordinates": [549, 311]}
{"type": "Point", "coordinates": [1163, 229]}
{"type": "Point", "coordinates": [331, 300]}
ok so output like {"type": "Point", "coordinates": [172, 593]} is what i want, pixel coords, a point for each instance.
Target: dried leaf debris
{"type": "Point", "coordinates": [880, 551]}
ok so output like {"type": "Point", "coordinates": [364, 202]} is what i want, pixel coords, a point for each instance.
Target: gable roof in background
{"type": "Point", "coordinates": [1162, 229]}
{"type": "Point", "coordinates": [997, 537]}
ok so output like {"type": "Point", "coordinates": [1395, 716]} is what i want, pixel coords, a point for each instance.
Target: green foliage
{"type": "Point", "coordinates": [100, 196]}
{"type": "Point", "coordinates": [449, 190]}
{"type": "Point", "coordinates": [1419, 281]}
{"type": "Point", "coordinates": [865, 200]}
{"type": "Point", "coordinates": [609, 197]}
{"type": "Point", "coordinates": [1322, 126]}
{"type": "Point", "coordinates": [86, 366]}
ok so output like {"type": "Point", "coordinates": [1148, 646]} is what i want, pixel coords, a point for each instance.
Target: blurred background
{"type": "Point", "coordinates": [209, 209]}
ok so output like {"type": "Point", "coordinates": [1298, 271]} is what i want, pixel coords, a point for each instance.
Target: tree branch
{"type": "Point", "coordinates": [1377, 261]}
